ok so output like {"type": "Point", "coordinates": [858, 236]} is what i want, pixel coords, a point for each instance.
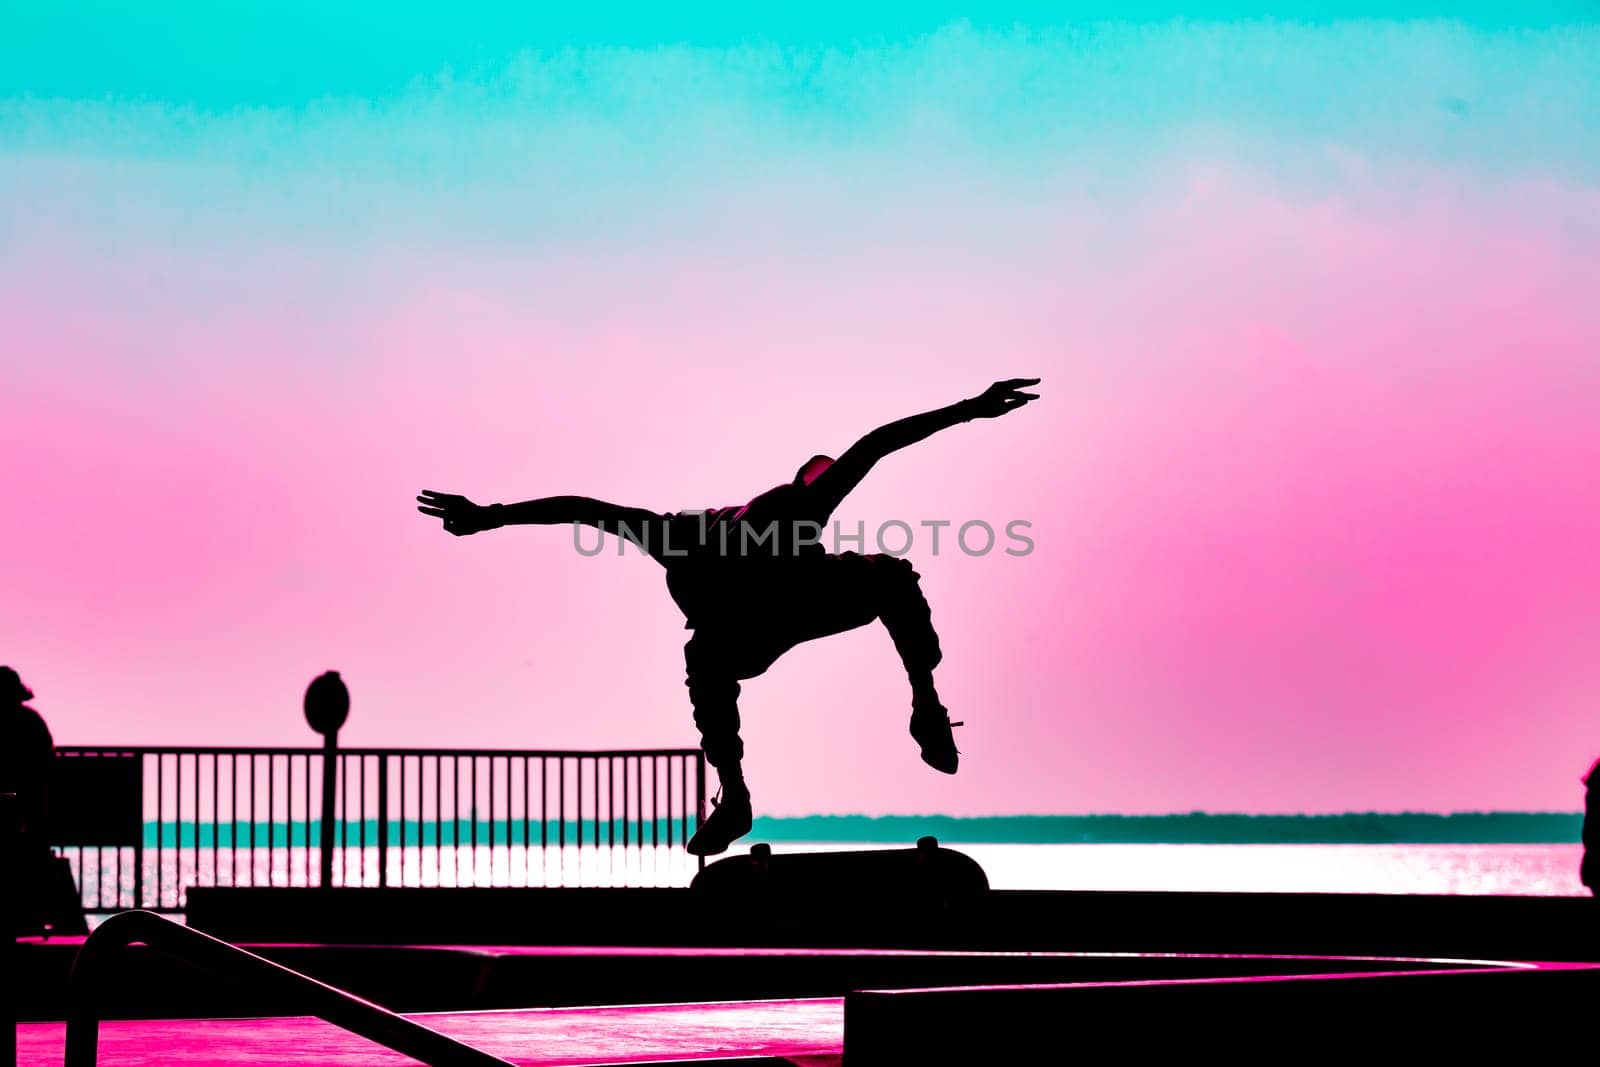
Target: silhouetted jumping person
{"type": "Point", "coordinates": [753, 581]}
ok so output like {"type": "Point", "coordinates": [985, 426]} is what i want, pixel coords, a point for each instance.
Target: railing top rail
{"type": "Point", "coordinates": [343, 750]}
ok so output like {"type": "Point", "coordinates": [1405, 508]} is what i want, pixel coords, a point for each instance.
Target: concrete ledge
{"type": "Point", "coordinates": [1465, 1011]}
{"type": "Point", "coordinates": [1551, 928]}
{"type": "Point", "coordinates": [463, 978]}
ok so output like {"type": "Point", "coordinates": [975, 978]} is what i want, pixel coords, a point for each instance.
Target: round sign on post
{"type": "Point", "coordinates": [327, 703]}
{"type": "Point", "coordinates": [327, 707]}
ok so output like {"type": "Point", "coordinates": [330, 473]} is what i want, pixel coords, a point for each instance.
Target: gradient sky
{"type": "Point", "coordinates": [1312, 487]}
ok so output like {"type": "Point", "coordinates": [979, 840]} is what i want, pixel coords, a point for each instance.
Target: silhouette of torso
{"type": "Point", "coordinates": [726, 564]}
{"type": "Point", "coordinates": [25, 762]}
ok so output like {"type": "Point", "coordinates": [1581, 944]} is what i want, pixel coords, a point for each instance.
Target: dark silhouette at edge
{"type": "Point", "coordinates": [1589, 871]}
{"type": "Point", "coordinates": [754, 581]}
{"type": "Point", "coordinates": [46, 894]}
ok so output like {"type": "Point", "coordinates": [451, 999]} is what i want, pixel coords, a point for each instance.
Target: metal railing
{"type": "Point", "coordinates": [91, 992]}
{"type": "Point", "coordinates": [141, 824]}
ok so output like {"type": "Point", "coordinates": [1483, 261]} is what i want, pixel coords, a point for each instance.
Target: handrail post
{"type": "Point", "coordinates": [330, 780]}
{"type": "Point", "coordinates": [327, 706]}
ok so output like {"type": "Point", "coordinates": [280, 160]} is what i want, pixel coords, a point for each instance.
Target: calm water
{"type": "Point", "coordinates": [1529, 870]}
{"type": "Point", "coordinates": [1538, 870]}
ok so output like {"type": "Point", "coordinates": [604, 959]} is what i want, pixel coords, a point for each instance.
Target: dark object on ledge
{"type": "Point", "coordinates": [926, 877]}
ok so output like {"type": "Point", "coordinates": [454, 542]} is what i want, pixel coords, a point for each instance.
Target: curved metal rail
{"type": "Point", "coordinates": [342, 1009]}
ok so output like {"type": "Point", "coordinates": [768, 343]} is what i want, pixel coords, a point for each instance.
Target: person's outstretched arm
{"type": "Point", "coordinates": [834, 484]}
{"type": "Point", "coordinates": [461, 516]}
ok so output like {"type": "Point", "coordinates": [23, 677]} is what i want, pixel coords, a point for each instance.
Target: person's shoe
{"type": "Point", "coordinates": [729, 820]}
{"type": "Point", "coordinates": [930, 728]}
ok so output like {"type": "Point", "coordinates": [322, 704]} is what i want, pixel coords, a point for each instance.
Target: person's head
{"type": "Point", "coordinates": [12, 691]}
{"type": "Point", "coordinates": [811, 468]}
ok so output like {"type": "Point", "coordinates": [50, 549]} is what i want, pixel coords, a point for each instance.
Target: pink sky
{"type": "Point", "coordinates": [1312, 485]}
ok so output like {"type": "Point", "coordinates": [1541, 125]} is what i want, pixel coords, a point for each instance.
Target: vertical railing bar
{"type": "Point", "coordinates": [236, 810]}
{"type": "Point", "coordinates": [468, 838]}
{"type": "Point", "coordinates": [250, 817]}
{"type": "Point", "coordinates": [455, 826]}
{"type": "Point", "coordinates": [216, 874]}
{"type": "Point", "coordinates": [306, 817]}
{"type": "Point", "coordinates": [455, 832]}
{"type": "Point", "coordinates": [138, 842]}
{"type": "Point", "coordinates": [194, 829]}
{"type": "Point", "coordinates": [361, 818]}
{"type": "Point", "coordinates": [383, 818]}
{"type": "Point", "coordinates": [161, 818]}
{"type": "Point", "coordinates": [700, 797]}
{"type": "Point", "coordinates": [177, 836]}
{"type": "Point", "coordinates": [288, 819]}
{"type": "Point", "coordinates": [290, 792]}
{"type": "Point", "coordinates": [177, 866]}
{"type": "Point", "coordinates": [194, 826]}
{"type": "Point", "coordinates": [438, 860]}
{"type": "Point", "coordinates": [341, 823]}
{"type": "Point", "coordinates": [422, 820]}
{"type": "Point", "coordinates": [422, 808]}
{"type": "Point", "coordinates": [272, 815]}
{"type": "Point", "coordinates": [668, 785]}
{"type": "Point", "coordinates": [405, 763]}
{"type": "Point", "coordinates": [438, 819]}
{"type": "Point", "coordinates": [177, 828]}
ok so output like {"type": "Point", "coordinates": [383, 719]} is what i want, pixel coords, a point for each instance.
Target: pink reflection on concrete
{"type": "Point", "coordinates": [809, 1031]}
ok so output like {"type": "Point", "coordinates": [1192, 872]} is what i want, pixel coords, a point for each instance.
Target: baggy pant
{"type": "Point", "coordinates": [834, 594]}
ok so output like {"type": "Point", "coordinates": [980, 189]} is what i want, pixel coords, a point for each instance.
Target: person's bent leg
{"type": "Point", "coordinates": [714, 694]}
{"type": "Point", "coordinates": [896, 591]}
{"type": "Point", "coordinates": [905, 613]}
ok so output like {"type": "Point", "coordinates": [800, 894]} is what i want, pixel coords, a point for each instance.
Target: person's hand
{"type": "Point", "coordinates": [1002, 397]}
{"type": "Point", "coordinates": [461, 516]}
